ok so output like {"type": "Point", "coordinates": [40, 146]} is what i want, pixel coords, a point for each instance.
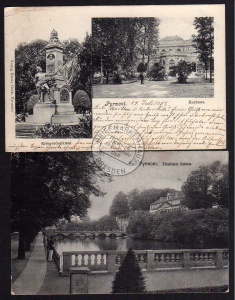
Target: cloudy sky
{"type": "Point", "coordinates": [73, 22]}
{"type": "Point", "coordinates": [145, 177]}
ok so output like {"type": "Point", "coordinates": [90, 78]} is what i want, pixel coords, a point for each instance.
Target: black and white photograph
{"type": "Point", "coordinates": [163, 228]}
{"type": "Point", "coordinates": [153, 57]}
{"type": "Point", "coordinates": [53, 77]}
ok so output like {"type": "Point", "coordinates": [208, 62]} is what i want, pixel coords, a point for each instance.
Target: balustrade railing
{"type": "Point", "coordinates": [149, 260]}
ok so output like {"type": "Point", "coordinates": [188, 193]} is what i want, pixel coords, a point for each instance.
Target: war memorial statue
{"type": "Point", "coordinates": [53, 87]}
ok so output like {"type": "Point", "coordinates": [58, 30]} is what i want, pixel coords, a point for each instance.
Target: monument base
{"type": "Point", "coordinates": [53, 113]}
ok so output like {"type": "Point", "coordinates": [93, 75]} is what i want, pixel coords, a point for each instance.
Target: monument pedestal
{"type": "Point", "coordinates": [62, 112]}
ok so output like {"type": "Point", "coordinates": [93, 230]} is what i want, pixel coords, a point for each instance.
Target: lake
{"type": "Point", "coordinates": [120, 244]}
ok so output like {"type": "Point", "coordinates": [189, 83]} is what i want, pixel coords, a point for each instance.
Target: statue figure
{"type": "Point", "coordinates": [43, 83]}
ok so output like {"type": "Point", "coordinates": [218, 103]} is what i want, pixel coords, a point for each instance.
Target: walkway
{"type": "Point", "coordinates": [163, 280]}
{"type": "Point", "coordinates": [32, 277]}
{"type": "Point", "coordinates": [155, 89]}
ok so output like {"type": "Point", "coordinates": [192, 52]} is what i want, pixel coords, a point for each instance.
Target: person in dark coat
{"type": "Point", "coordinates": [50, 248]}
{"type": "Point", "coordinates": [141, 78]}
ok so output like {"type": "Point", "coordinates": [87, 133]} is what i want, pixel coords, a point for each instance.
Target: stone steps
{"type": "Point", "coordinates": [24, 130]}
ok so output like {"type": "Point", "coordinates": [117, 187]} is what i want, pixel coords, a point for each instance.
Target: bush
{"type": "Point", "coordinates": [129, 278]}
{"type": "Point", "coordinates": [81, 101]}
{"type": "Point", "coordinates": [81, 130]}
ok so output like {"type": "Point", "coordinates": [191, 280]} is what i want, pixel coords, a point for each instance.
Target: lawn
{"type": "Point", "coordinates": [156, 89]}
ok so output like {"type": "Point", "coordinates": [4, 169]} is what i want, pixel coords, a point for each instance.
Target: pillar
{"type": "Point", "coordinates": [79, 280]}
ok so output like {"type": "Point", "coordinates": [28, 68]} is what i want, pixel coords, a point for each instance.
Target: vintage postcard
{"type": "Point", "coordinates": [79, 76]}
{"type": "Point", "coordinates": [159, 228]}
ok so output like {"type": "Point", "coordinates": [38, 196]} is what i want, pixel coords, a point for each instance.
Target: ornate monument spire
{"type": "Point", "coordinates": [54, 40]}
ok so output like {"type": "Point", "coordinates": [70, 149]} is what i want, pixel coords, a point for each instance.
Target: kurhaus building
{"type": "Point", "coordinates": [172, 49]}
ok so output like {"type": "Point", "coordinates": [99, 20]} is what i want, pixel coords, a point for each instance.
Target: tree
{"type": "Point", "coordinates": [204, 41]}
{"type": "Point", "coordinates": [129, 278]}
{"type": "Point", "coordinates": [206, 186]}
{"type": "Point", "coordinates": [140, 224]}
{"type": "Point", "coordinates": [46, 187]}
{"type": "Point", "coordinates": [118, 43]}
{"type": "Point", "coordinates": [183, 70]}
{"type": "Point", "coordinates": [27, 58]}
{"type": "Point", "coordinates": [196, 189]}
{"type": "Point", "coordinates": [107, 223]}
{"type": "Point", "coordinates": [120, 205]}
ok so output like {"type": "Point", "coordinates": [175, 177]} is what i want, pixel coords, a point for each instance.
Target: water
{"type": "Point", "coordinates": [98, 244]}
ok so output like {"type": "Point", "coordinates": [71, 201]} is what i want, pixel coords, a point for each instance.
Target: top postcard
{"type": "Point", "coordinates": [115, 78]}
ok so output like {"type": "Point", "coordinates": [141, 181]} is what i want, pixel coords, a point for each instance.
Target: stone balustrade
{"type": "Point", "coordinates": [149, 260]}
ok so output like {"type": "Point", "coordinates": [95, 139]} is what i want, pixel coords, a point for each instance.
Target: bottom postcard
{"type": "Point", "coordinates": [158, 225]}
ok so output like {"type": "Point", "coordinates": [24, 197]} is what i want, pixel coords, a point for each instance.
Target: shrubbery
{"type": "Point", "coordinates": [81, 130]}
{"type": "Point", "coordinates": [204, 225]}
{"type": "Point", "coordinates": [129, 278]}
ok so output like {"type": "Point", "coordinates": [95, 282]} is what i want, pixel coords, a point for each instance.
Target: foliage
{"type": "Point", "coordinates": [210, 225]}
{"type": "Point", "coordinates": [81, 101]}
{"type": "Point", "coordinates": [206, 186]}
{"type": "Point", "coordinates": [82, 130]}
{"type": "Point", "coordinates": [129, 278]}
{"type": "Point", "coordinates": [27, 58]}
{"type": "Point", "coordinates": [204, 41]}
{"type": "Point", "coordinates": [34, 99]}
{"type": "Point", "coordinates": [119, 205]}
{"type": "Point", "coordinates": [46, 187]}
{"type": "Point", "coordinates": [157, 72]}
{"type": "Point", "coordinates": [140, 224]}
{"type": "Point", "coordinates": [118, 43]}
{"type": "Point", "coordinates": [104, 223]}
{"type": "Point", "coordinates": [184, 69]}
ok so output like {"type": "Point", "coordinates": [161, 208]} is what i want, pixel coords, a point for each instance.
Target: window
{"type": "Point", "coordinates": [178, 49]}
{"type": "Point", "coordinates": [163, 50]}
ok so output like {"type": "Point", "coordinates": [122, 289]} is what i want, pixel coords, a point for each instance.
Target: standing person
{"type": "Point", "coordinates": [141, 78]}
{"type": "Point", "coordinates": [50, 248]}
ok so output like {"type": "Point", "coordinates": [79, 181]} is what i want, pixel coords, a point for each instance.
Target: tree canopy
{"type": "Point", "coordinates": [120, 205]}
{"type": "Point", "coordinates": [206, 186]}
{"type": "Point", "coordinates": [204, 41]}
{"type": "Point", "coordinates": [119, 43]}
{"type": "Point", "coordinates": [30, 55]}
{"type": "Point", "coordinates": [46, 187]}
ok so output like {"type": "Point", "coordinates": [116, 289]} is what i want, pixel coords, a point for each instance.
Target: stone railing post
{"type": "Point", "coordinates": [67, 263]}
{"type": "Point", "coordinates": [186, 264]}
{"type": "Point", "coordinates": [219, 259]}
{"type": "Point", "coordinates": [79, 280]}
{"type": "Point", "coordinates": [150, 261]}
{"type": "Point", "coordinates": [111, 262]}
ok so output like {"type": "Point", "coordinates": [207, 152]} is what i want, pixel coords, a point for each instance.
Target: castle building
{"type": "Point", "coordinates": [172, 202]}
{"type": "Point", "coordinates": [172, 49]}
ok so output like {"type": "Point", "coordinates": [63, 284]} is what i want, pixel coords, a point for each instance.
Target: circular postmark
{"type": "Point", "coordinates": [118, 149]}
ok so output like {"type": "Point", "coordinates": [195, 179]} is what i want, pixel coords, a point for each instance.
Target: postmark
{"type": "Point", "coordinates": [118, 149]}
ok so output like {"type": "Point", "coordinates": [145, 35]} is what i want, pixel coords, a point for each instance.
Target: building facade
{"type": "Point", "coordinates": [172, 202]}
{"type": "Point", "coordinates": [172, 49]}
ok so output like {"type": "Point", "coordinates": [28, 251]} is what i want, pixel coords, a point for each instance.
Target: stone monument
{"type": "Point", "coordinates": [55, 105]}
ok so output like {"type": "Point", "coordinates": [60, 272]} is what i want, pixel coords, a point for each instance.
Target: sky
{"type": "Point", "coordinates": [37, 23]}
{"type": "Point", "coordinates": [146, 177]}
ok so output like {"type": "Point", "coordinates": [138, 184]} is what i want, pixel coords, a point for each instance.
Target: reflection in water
{"type": "Point", "coordinates": [98, 244]}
